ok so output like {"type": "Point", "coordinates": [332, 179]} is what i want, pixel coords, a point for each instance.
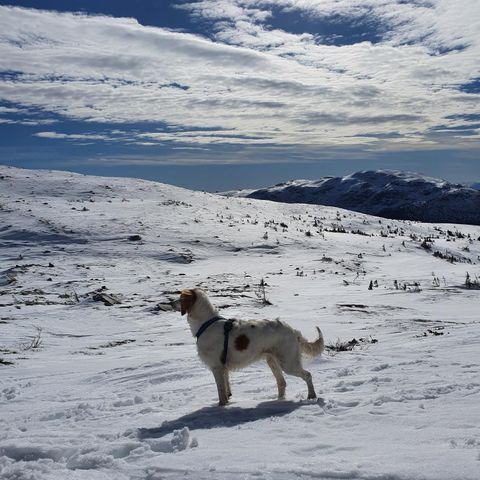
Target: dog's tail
{"type": "Point", "coordinates": [312, 348]}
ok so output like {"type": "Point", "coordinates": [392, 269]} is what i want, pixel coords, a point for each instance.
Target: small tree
{"type": "Point", "coordinates": [35, 342]}
{"type": "Point", "coordinates": [469, 283]}
{"type": "Point", "coordinates": [261, 293]}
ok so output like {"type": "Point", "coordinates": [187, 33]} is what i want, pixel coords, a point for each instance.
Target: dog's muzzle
{"type": "Point", "coordinates": [175, 304]}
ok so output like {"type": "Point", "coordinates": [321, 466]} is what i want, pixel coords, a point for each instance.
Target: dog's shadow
{"type": "Point", "coordinates": [213, 417]}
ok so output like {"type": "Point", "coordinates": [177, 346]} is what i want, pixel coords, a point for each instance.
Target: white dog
{"type": "Point", "coordinates": [232, 344]}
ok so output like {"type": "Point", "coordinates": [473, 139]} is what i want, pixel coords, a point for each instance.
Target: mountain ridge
{"type": "Point", "coordinates": [386, 193]}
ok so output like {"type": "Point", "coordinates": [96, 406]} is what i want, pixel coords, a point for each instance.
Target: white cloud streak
{"type": "Point", "coordinates": [72, 136]}
{"type": "Point", "coordinates": [253, 84]}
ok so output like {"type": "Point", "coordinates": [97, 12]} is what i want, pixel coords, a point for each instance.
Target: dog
{"type": "Point", "coordinates": [225, 345]}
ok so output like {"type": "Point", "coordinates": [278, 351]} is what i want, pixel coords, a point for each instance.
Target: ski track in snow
{"type": "Point", "coordinates": [118, 392]}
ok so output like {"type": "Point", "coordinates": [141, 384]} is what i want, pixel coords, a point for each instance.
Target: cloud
{"type": "Point", "coordinates": [71, 136]}
{"type": "Point", "coordinates": [432, 23]}
{"type": "Point", "coordinates": [251, 83]}
{"type": "Point", "coordinates": [228, 155]}
{"type": "Point", "coordinates": [9, 110]}
{"type": "Point", "coordinates": [28, 122]}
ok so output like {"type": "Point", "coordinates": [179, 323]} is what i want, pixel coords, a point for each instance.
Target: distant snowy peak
{"type": "Point", "coordinates": [386, 193]}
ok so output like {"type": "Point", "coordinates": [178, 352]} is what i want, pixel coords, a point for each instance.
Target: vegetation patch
{"type": "Point", "coordinates": [116, 343]}
{"type": "Point", "coordinates": [348, 345]}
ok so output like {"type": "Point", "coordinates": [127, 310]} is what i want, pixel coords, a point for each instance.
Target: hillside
{"type": "Point", "coordinates": [386, 193]}
{"type": "Point", "coordinates": [96, 391]}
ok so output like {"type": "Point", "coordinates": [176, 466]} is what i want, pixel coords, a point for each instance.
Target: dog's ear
{"type": "Point", "coordinates": [187, 299]}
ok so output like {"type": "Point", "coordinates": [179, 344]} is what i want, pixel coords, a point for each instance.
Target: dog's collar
{"type": "Point", "coordinates": [205, 325]}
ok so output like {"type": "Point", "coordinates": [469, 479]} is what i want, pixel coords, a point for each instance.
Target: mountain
{"type": "Point", "coordinates": [476, 186]}
{"type": "Point", "coordinates": [100, 379]}
{"type": "Point", "coordinates": [385, 193]}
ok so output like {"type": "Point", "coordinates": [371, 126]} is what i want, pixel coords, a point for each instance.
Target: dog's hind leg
{"type": "Point", "coordinates": [277, 373]}
{"type": "Point", "coordinates": [292, 365]}
{"type": "Point", "coordinates": [307, 376]}
{"type": "Point", "coordinates": [219, 375]}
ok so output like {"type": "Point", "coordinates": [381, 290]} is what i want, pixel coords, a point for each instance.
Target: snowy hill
{"type": "Point", "coordinates": [100, 380]}
{"type": "Point", "coordinates": [389, 194]}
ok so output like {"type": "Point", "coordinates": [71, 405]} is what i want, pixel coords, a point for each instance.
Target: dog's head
{"type": "Point", "coordinates": [186, 301]}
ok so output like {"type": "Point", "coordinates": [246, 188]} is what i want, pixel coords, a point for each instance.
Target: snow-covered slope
{"type": "Point", "coordinates": [389, 194]}
{"type": "Point", "coordinates": [91, 391]}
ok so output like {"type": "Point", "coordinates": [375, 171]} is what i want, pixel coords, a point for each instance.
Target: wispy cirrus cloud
{"type": "Point", "coordinates": [72, 136]}
{"type": "Point", "coordinates": [254, 81]}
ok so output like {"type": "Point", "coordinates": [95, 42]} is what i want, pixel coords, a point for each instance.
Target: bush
{"type": "Point", "coordinates": [348, 345]}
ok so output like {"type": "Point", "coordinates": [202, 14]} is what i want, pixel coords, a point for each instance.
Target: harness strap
{"type": "Point", "coordinates": [227, 327]}
{"type": "Point", "coordinates": [226, 333]}
{"type": "Point", "coordinates": [205, 325]}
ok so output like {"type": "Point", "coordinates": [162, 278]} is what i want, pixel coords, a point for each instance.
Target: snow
{"type": "Point", "coordinates": [118, 392]}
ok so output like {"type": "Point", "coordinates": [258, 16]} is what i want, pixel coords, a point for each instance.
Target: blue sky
{"type": "Point", "coordinates": [222, 94]}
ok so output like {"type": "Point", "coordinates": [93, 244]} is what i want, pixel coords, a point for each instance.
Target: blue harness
{"type": "Point", "coordinates": [227, 327]}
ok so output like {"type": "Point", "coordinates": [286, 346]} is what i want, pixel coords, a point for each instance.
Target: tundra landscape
{"type": "Point", "coordinates": [100, 379]}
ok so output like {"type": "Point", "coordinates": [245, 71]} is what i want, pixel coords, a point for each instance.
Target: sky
{"type": "Point", "coordinates": [224, 94]}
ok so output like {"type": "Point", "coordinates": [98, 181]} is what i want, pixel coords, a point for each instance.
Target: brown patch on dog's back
{"type": "Point", "coordinates": [242, 342]}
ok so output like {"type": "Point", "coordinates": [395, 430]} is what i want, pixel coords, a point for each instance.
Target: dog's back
{"type": "Point", "coordinates": [252, 340]}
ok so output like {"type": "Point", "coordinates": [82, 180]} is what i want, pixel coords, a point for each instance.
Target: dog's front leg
{"type": "Point", "coordinates": [219, 373]}
{"type": "Point", "coordinates": [227, 383]}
